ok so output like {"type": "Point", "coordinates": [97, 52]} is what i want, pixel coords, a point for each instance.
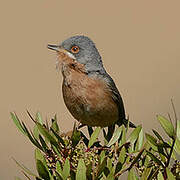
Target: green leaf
{"type": "Point", "coordinates": [111, 174]}
{"type": "Point", "coordinates": [39, 156]}
{"type": "Point", "coordinates": [17, 122]}
{"type": "Point", "coordinates": [101, 166]}
{"type": "Point", "coordinates": [157, 135]}
{"type": "Point", "coordinates": [39, 118]}
{"type": "Point", "coordinates": [167, 126]}
{"type": "Point", "coordinates": [76, 137]}
{"type": "Point", "coordinates": [151, 139]}
{"type": "Point", "coordinates": [55, 126]}
{"type": "Point", "coordinates": [25, 169]}
{"type": "Point", "coordinates": [43, 143]}
{"type": "Point", "coordinates": [131, 175]}
{"type": "Point", "coordinates": [178, 129]}
{"type": "Point", "coordinates": [47, 135]}
{"type": "Point", "coordinates": [118, 167]}
{"type": "Point", "coordinates": [135, 134]}
{"type": "Point", "coordinates": [66, 170]}
{"type": "Point", "coordinates": [169, 174]}
{"type": "Point", "coordinates": [155, 159]}
{"type": "Point", "coordinates": [94, 137]}
{"type": "Point", "coordinates": [115, 136]}
{"type": "Point", "coordinates": [146, 161]}
{"type": "Point", "coordinates": [31, 137]}
{"type": "Point", "coordinates": [56, 151]}
{"type": "Point", "coordinates": [146, 172]}
{"type": "Point", "coordinates": [140, 139]}
{"type": "Point", "coordinates": [81, 170]}
{"type": "Point", "coordinates": [60, 140]}
{"type": "Point", "coordinates": [123, 138]}
{"type": "Point", "coordinates": [160, 176]}
{"type": "Point", "coordinates": [89, 171]}
{"type": "Point", "coordinates": [36, 132]}
{"type": "Point", "coordinates": [59, 169]}
{"type": "Point", "coordinates": [42, 171]}
{"type": "Point", "coordinates": [177, 146]}
{"type": "Point", "coordinates": [122, 155]}
{"type": "Point", "coordinates": [102, 156]}
{"type": "Point", "coordinates": [136, 158]}
{"type": "Point", "coordinates": [109, 164]}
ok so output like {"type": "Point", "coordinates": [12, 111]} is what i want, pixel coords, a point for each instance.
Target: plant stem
{"type": "Point", "coordinates": [170, 154]}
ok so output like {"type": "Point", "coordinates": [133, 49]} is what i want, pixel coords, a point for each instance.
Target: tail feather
{"type": "Point", "coordinates": [126, 122]}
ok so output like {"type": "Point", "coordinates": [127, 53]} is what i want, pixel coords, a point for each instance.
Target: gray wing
{"type": "Point", "coordinates": [116, 97]}
{"type": "Point", "coordinates": [119, 101]}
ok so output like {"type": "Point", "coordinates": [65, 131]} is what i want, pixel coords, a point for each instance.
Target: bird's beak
{"type": "Point", "coordinates": [54, 47]}
{"type": "Point", "coordinates": [60, 49]}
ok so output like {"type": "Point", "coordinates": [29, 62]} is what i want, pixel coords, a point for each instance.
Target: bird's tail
{"type": "Point", "coordinates": [126, 122]}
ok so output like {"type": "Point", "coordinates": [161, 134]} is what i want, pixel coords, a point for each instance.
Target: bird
{"type": "Point", "coordinates": [89, 92]}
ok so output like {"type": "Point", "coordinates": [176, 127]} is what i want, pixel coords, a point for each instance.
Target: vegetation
{"type": "Point", "coordinates": [74, 155]}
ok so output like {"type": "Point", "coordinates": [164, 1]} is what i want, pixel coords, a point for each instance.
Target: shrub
{"type": "Point", "coordinates": [74, 155]}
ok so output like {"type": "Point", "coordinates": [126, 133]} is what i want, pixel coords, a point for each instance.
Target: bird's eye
{"type": "Point", "coordinates": [75, 49]}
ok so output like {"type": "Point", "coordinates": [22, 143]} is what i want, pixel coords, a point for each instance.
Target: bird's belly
{"type": "Point", "coordinates": [89, 101]}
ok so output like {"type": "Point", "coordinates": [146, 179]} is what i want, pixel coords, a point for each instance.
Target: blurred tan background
{"type": "Point", "coordinates": [138, 40]}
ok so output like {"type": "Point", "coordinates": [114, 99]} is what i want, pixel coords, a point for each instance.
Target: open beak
{"type": "Point", "coordinates": [54, 47]}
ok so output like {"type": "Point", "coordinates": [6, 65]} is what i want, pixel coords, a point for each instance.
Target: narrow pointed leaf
{"type": "Point", "coordinates": [131, 175]}
{"type": "Point", "coordinates": [39, 156]}
{"type": "Point", "coordinates": [135, 134]}
{"type": "Point", "coordinates": [101, 167]}
{"type": "Point", "coordinates": [151, 139]}
{"type": "Point", "coordinates": [146, 173]}
{"type": "Point", "coordinates": [122, 155]}
{"type": "Point", "coordinates": [25, 169]}
{"type": "Point", "coordinates": [59, 169]}
{"type": "Point", "coordinates": [43, 143]}
{"type": "Point", "coordinates": [123, 138]}
{"type": "Point", "coordinates": [177, 146]}
{"type": "Point", "coordinates": [94, 136]}
{"type": "Point", "coordinates": [155, 159]}
{"type": "Point", "coordinates": [136, 158]}
{"type": "Point", "coordinates": [31, 137]}
{"type": "Point", "coordinates": [47, 135]}
{"type": "Point", "coordinates": [170, 175]}
{"type": "Point", "coordinates": [55, 126]}
{"type": "Point", "coordinates": [66, 169]}
{"type": "Point", "coordinates": [42, 171]}
{"type": "Point", "coordinates": [140, 140]}
{"type": "Point", "coordinates": [76, 137]}
{"type": "Point", "coordinates": [115, 136]}
{"type": "Point", "coordinates": [39, 118]}
{"type": "Point", "coordinates": [160, 176]}
{"type": "Point", "coordinates": [178, 129]}
{"type": "Point", "coordinates": [60, 140]}
{"type": "Point", "coordinates": [81, 170]}
{"type": "Point", "coordinates": [17, 122]}
{"type": "Point", "coordinates": [167, 126]}
{"type": "Point", "coordinates": [157, 135]}
{"type": "Point", "coordinates": [36, 132]}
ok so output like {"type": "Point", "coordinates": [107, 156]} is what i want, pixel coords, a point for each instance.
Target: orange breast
{"type": "Point", "coordinates": [88, 99]}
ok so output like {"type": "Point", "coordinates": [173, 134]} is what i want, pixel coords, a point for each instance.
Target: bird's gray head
{"type": "Point", "coordinates": [84, 51]}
